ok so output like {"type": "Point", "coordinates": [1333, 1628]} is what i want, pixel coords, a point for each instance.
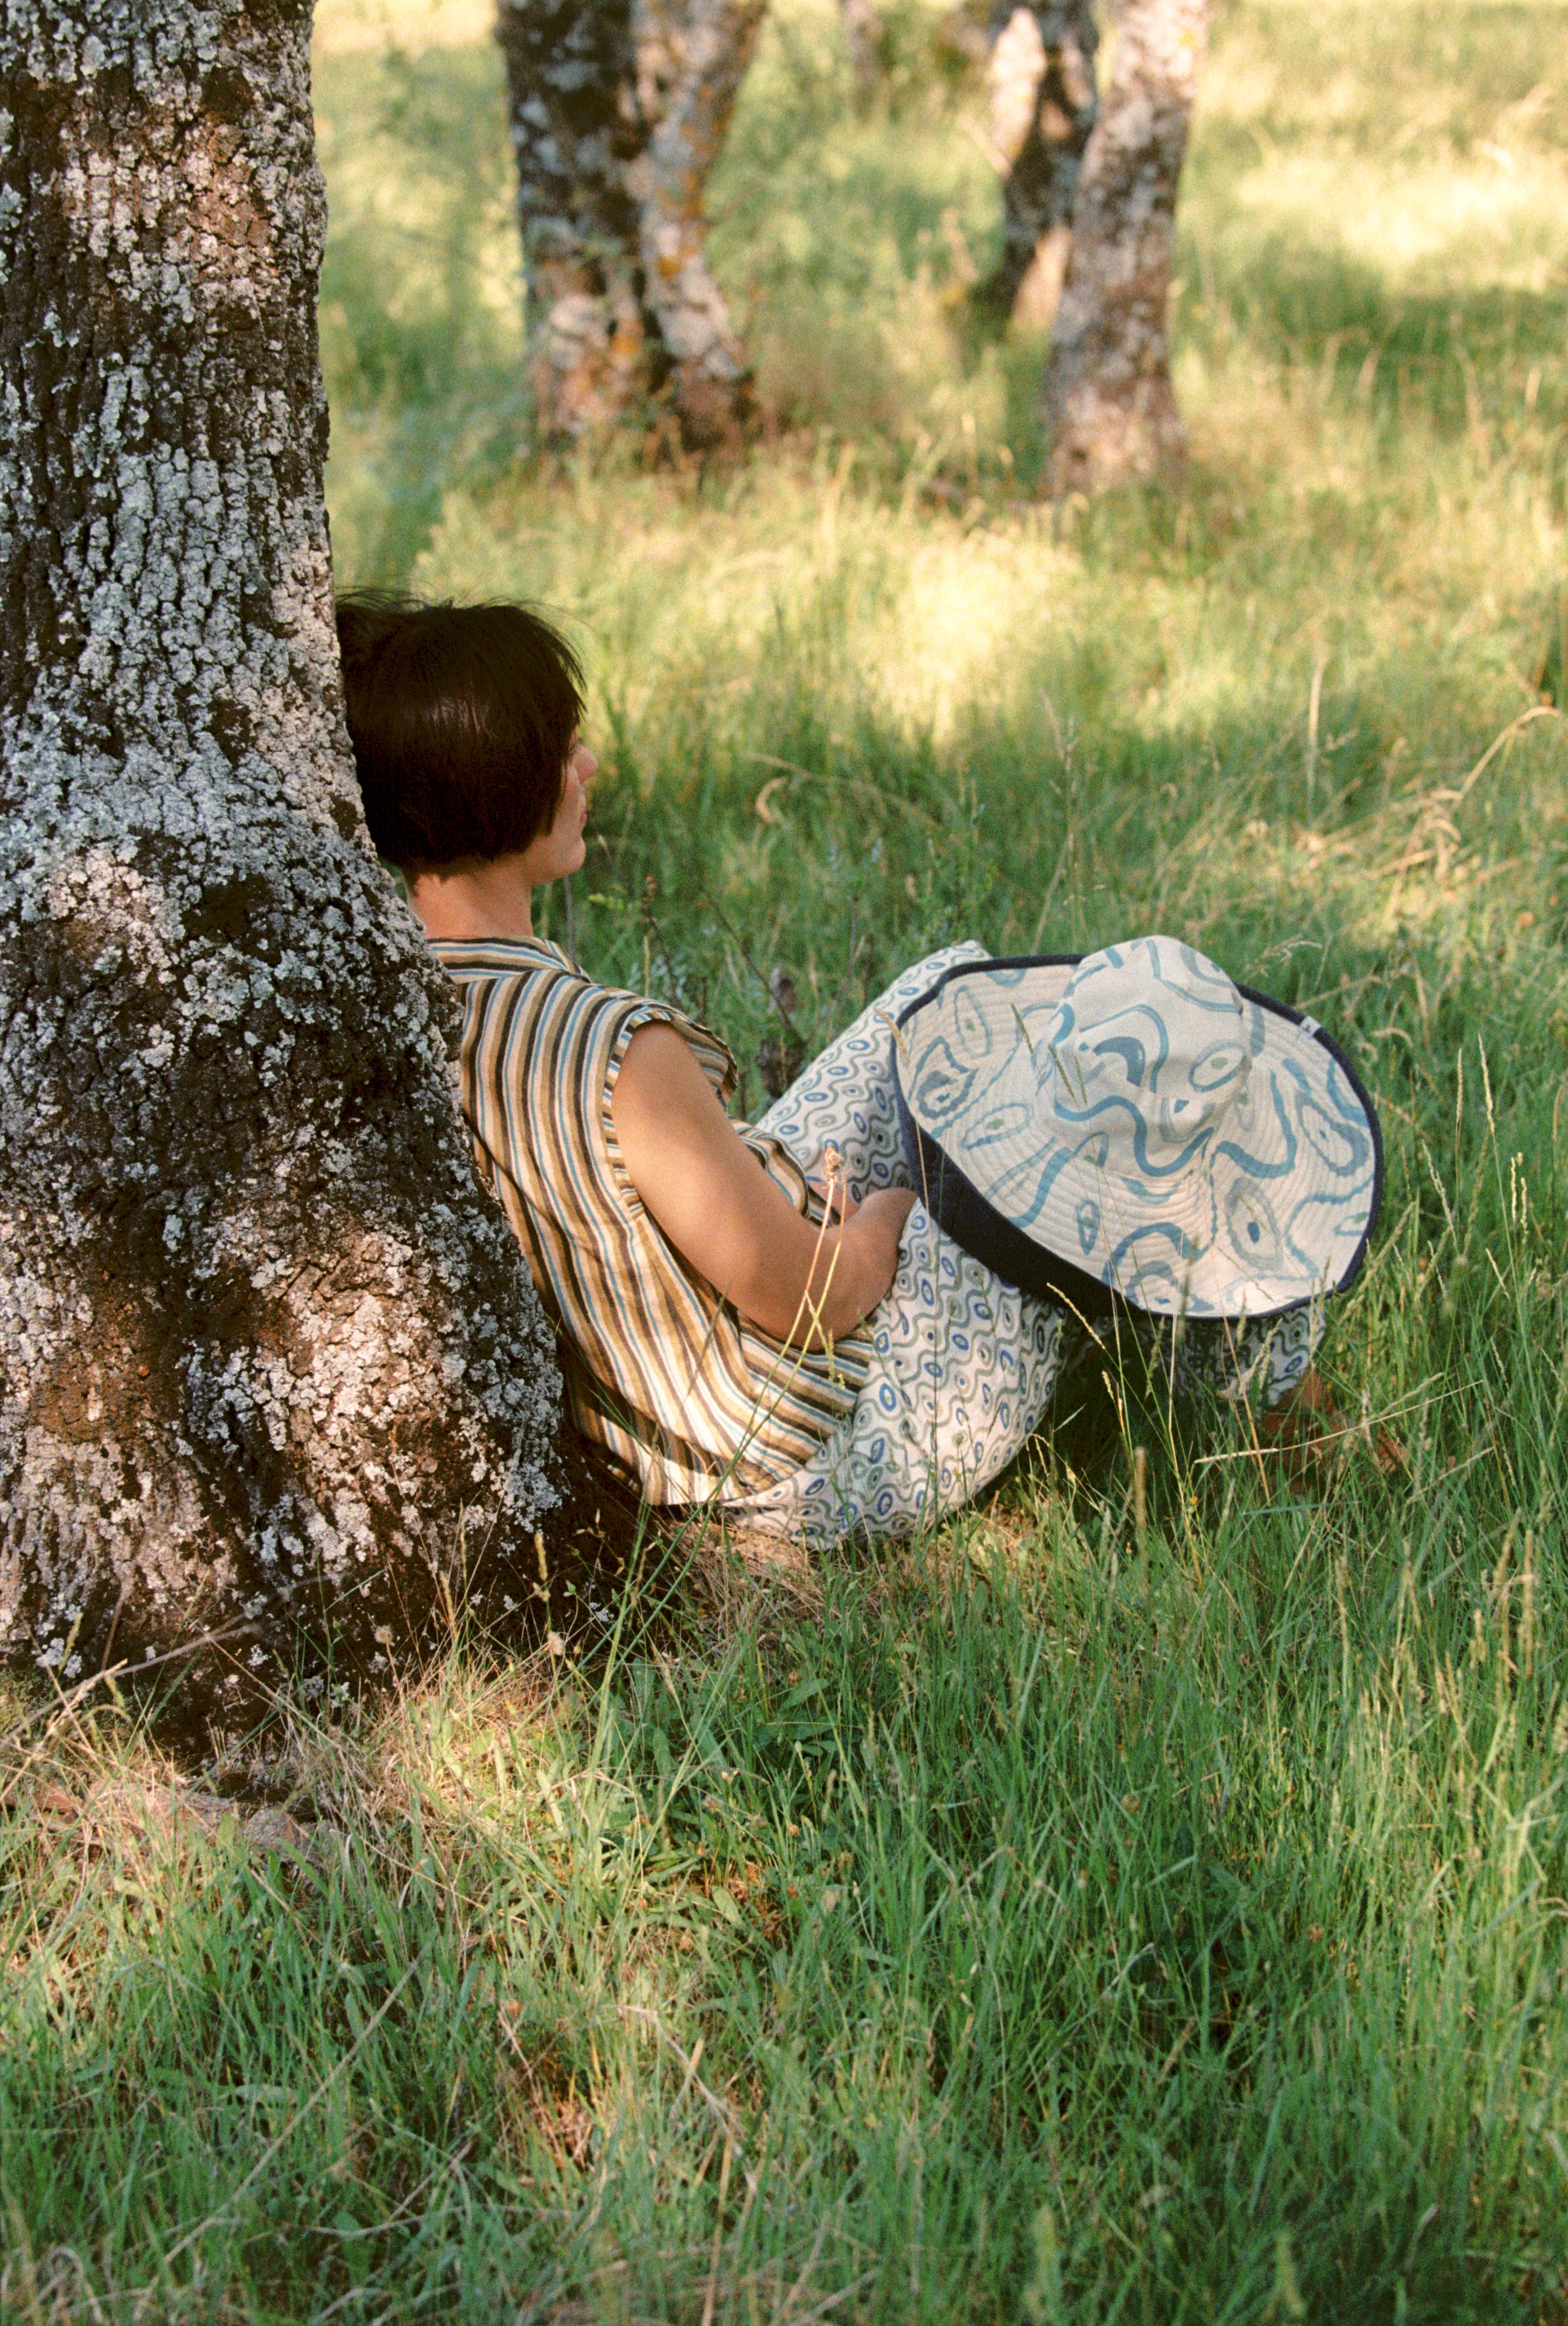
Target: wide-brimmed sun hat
{"type": "Point", "coordinates": [1131, 1122]}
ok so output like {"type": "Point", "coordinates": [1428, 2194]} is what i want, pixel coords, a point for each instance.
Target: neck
{"type": "Point", "coordinates": [472, 898]}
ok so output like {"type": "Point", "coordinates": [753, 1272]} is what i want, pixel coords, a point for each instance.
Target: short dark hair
{"type": "Point", "coordinates": [461, 719]}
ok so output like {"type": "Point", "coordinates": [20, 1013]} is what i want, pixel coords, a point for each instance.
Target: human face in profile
{"type": "Point", "coordinates": [560, 849]}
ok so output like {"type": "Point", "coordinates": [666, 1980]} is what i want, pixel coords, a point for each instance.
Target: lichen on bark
{"type": "Point", "coordinates": [618, 110]}
{"type": "Point", "coordinates": [1110, 410]}
{"type": "Point", "coordinates": [271, 1363]}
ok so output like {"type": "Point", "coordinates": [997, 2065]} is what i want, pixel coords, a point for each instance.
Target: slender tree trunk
{"type": "Point", "coordinates": [1043, 109]}
{"type": "Point", "coordinates": [619, 109]}
{"type": "Point", "coordinates": [267, 1356]}
{"type": "Point", "coordinates": [692, 58]}
{"type": "Point", "coordinates": [1111, 411]}
{"type": "Point", "coordinates": [862, 24]}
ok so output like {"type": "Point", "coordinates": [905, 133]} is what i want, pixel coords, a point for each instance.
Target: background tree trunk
{"type": "Point", "coordinates": [1111, 411]}
{"type": "Point", "coordinates": [619, 109]}
{"type": "Point", "coordinates": [862, 24]}
{"type": "Point", "coordinates": [269, 1357]}
{"type": "Point", "coordinates": [1043, 109]}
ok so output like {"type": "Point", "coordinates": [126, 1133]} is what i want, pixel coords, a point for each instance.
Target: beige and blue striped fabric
{"type": "Point", "coordinates": [691, 1398]}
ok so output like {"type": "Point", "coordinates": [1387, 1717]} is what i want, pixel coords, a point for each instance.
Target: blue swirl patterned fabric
{"type": "Point", "coordinates": [1193, 1146]}
{"type": "Point", "coordinates": [963, 1365]}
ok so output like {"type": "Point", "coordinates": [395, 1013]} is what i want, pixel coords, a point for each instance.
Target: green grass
{"type": "Point", "coordinates": [1047, 1921]}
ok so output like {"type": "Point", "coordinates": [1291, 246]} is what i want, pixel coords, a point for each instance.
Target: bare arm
{"type": "Point", "coordinates": [728, 1218]}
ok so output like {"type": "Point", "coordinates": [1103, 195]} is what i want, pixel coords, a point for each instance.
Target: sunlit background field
{"type": "Point", "coordinates": [1057, 1918]}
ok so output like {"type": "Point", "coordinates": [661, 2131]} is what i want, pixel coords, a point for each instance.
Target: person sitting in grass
{"type": "Point", "coordinates": [769, 1317]}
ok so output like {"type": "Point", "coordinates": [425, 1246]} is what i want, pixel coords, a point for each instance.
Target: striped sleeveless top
{"type": "Point", "coordinates": [687, 1394]}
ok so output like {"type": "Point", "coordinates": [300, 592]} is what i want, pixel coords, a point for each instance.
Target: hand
{"type": "Point", "coordinates": [874, 1234]}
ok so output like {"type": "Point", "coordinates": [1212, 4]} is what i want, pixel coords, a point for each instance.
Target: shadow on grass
{"type": "Point", "coordinates": [1447, 355]}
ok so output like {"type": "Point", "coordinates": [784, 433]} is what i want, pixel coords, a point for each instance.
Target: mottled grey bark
{"type": "Point", "coordinates": [1043, 109]}
{"type": "Point", "coordinates": [1111, 411]}
{"type": "Point", "coordinates": [618, 111]}
{"type": "Point", "coordinates": [267, 1357]}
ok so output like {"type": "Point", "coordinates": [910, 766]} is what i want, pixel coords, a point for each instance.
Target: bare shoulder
{"type": "Point", "coordinates": [655, 1047]}
{"type": "Point", "coordinates": [658, 1074]}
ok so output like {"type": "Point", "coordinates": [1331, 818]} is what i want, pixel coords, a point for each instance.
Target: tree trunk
{"type": "Point", "coordinates": [1043, 109]}
{"type": "Point", "coordinates": [1111, 411]}
{"type": "Point", "coordinates": [619, 109]}
{"type": "Point", "coordinates": [862, 24]}
{"type": "Point", "coordinates": [270, 1360]}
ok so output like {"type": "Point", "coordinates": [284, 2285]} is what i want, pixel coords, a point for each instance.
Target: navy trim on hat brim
{"type": "Point", "coordinates": [977, 1226]}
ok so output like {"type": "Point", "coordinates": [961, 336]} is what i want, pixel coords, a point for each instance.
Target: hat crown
{"type": "Point", "coordinates": [1154, 1029]}
{"type": "Point", "coordinates": [1137, 1118]}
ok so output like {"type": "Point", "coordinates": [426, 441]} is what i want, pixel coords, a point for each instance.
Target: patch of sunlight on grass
{"type": "Point", "coordinates": [1319, 533]}
{"type": "Point", "coordinates": [350, 27]}
{"type": "Point", "coordinates": [914, 615]}
{"type": "Point", "coordinates": [1435, 229]}
{"type": "Point", "coordinates": [1391, 75]}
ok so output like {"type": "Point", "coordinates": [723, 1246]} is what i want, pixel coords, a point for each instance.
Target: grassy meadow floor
{"type": "Point", "coordinates": [1054, 1920]}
